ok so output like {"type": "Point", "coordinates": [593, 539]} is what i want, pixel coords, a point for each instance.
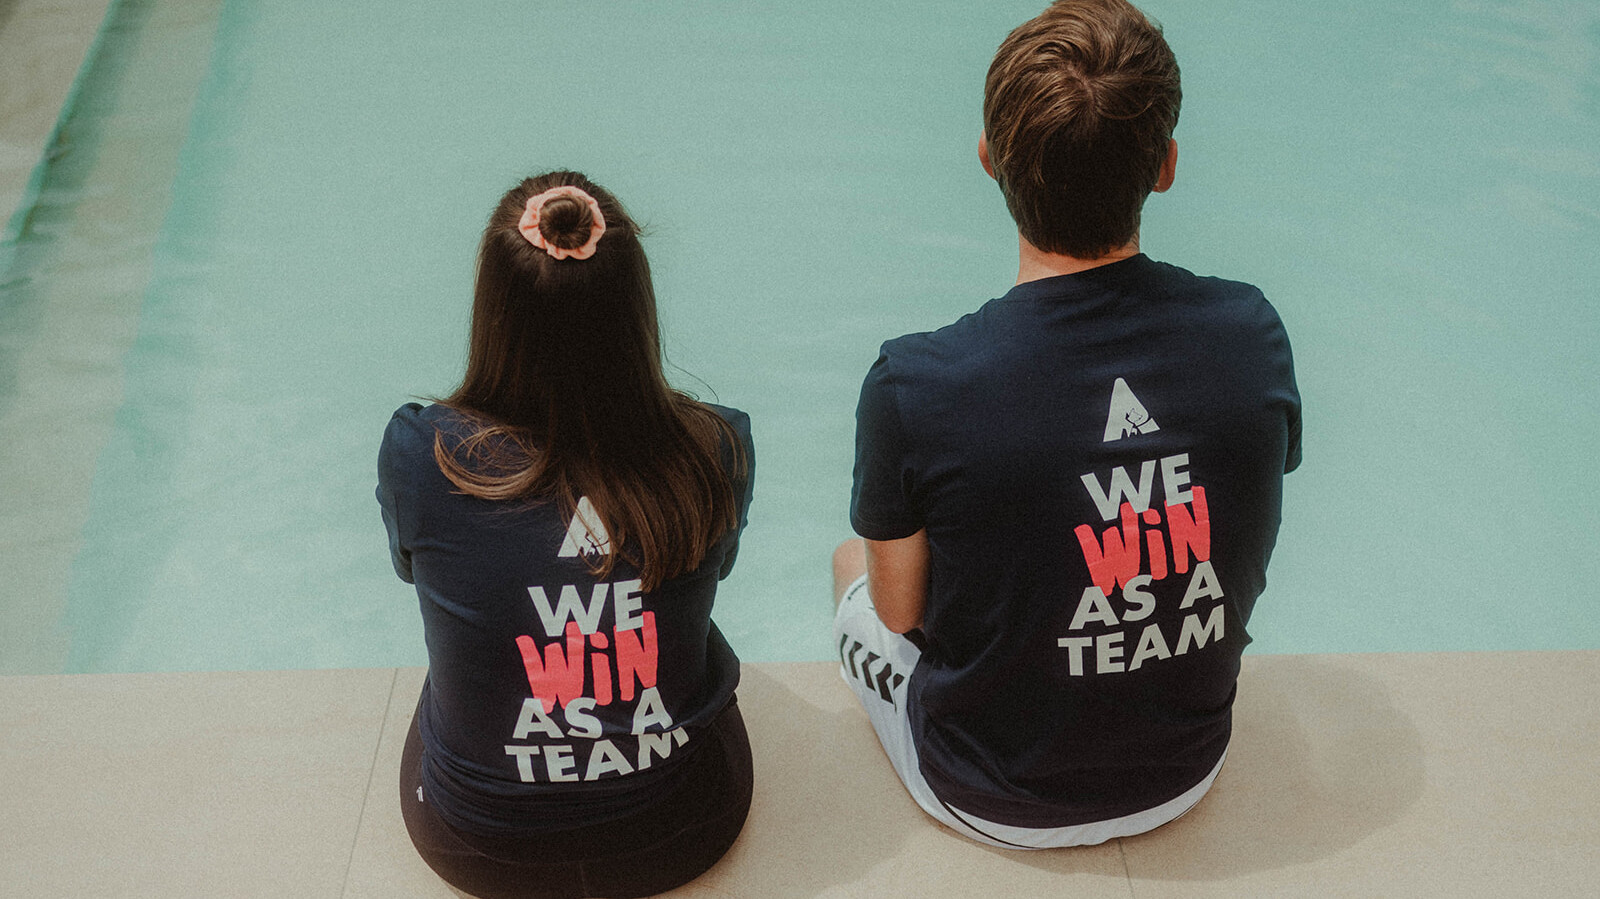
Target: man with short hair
{"type": "Point", "coordinates": [1068, 497]}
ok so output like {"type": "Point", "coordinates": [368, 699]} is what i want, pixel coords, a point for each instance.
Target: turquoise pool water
{"type": "Point", "coordinates": [254, 239]}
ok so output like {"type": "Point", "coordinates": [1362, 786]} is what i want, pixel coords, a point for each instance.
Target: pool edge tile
{"type": "Point", "coordinates": [1396, 774]}
{"type": "Point", "coordinates": [184, 784]}
{"type": "Point", "coordinates": [383, 863]}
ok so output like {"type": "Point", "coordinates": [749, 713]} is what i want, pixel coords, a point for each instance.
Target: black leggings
{"type": "Point", "coordinates": [664, 846]}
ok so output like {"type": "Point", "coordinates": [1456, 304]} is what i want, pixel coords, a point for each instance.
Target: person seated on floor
{"type": "Point", "coordinates": [1069, 496]}
{"type": "Point", "coordinates": [565, 516]}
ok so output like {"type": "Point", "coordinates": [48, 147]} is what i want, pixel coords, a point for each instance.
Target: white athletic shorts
{"type": "Point", "coordinates": [877, 664]}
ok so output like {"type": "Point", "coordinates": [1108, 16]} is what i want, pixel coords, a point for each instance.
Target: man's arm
{"type": "Point", "coordinates": [897, 580]}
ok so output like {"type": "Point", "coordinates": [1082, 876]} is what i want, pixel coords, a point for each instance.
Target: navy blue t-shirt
{"type": "Point", "coordinates": [553, 700]}
{"type": "Point", "coordinates": [1097, 459]}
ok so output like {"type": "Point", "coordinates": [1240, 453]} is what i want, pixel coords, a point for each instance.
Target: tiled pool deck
{"type": "Point", "coordinates": [1451, 774]}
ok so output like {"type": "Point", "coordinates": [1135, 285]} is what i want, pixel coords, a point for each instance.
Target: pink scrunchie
{"type": "Point", "coordinates": [529, 225]}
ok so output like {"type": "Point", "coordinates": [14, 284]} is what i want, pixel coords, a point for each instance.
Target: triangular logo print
{"type": "Point", "coordinates": [585, 533]}
{"type": "Point", "coordinates": [1128, 415]}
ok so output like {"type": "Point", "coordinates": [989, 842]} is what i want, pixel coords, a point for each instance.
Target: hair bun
{"type": "Point", "coordinates": [565, 222]}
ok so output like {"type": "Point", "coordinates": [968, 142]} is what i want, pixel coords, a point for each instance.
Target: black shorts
{"type": "Point", "coordinates": [666, 845]}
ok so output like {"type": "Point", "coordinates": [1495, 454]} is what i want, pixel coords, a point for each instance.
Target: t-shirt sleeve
{"type": "Point", "coordinates": [1292, 458]}
{"type": "Point", "coordinates": [1277, 374]}
{"type": "Point", "coordinates": [744, 488]}
{"type": "Point", "coordinates": [391, 490]}
{"type": "Point", "coordinates": [880, 498]}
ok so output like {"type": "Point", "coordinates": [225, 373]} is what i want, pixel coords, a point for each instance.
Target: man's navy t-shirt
{"type": "Point", "coordinates": [554, 700]}
{"type": "Point", "coordinates": [1097, 459]}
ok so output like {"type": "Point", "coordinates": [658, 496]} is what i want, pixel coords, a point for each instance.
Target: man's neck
{"type": "Point", "coordinates": [1035, 263]}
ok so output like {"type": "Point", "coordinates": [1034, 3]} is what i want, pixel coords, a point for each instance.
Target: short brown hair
{"type": "Point", "coordinates": [1078, 109]}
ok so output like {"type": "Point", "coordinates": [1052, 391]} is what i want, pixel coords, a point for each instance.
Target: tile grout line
{"type": "Point", "coordinates": [372, 770]}
{"type": "Point", "coordinates": [1127, 874]}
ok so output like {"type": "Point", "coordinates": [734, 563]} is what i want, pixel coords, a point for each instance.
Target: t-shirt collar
{"type": "Point", "coordinates": [1089, 279]}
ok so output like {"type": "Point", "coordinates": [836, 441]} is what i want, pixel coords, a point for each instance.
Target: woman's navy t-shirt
{"type": "Point", "coordinates": [1098, 461]}
{"type": "Point", "coordinates": [553, 700]}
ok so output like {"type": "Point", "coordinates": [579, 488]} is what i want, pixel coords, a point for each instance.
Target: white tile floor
{"type": "Point", "coordinates": [1398, 775]}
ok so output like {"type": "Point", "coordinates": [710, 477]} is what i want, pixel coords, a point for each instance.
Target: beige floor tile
{"type": "Point", "coordinates": [179, 785]}
{"type": "Point", "coordinates": [1446, 774]}
{"type": "Point", "coordinates": [829, 817]}
{"type": "Point", "coordinates": [1452, 774]}
{"type": "Point", "coordinates": [384, 864]}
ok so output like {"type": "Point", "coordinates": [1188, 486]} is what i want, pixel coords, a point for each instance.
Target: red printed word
{"type": "Point", "coordinates": [556, 674]}
{"type": "Point", "coordinates": [1119, 555]}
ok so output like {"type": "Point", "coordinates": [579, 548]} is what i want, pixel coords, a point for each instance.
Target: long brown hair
{"type": "Point", "coordinates": [565, 397]}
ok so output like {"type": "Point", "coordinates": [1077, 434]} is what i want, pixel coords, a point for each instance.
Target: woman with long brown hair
{"type": "Point", "coordinates": [566, 515]}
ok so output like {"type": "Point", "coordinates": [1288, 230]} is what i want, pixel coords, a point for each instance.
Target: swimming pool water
{"type": "Point", "coordinates": [273, 207]}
